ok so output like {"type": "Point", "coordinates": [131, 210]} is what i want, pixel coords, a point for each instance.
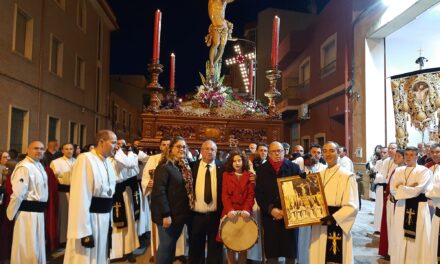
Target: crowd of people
{"type": "Point", "coordinates": [96, 202]}
{"type": "Point", "coordinates": [405, 187]}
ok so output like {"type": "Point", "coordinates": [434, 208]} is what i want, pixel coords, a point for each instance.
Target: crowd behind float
{"type": "Point", "coordinates": [104, 201]}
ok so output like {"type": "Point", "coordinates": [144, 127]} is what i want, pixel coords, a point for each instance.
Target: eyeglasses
{"type": "Point", "coordinates": [277, 151]}
{"type": "Point", "coordinates": [180, 146]}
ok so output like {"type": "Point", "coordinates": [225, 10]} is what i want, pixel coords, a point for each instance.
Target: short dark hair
{"type": "Point", "coordinates": [401, 152]}
{"type": "Point", "coordinates": [228, 164]}
{"type": "Point", "coordinates": [435, 145]}
{"type": "Point", "coordinates": [262, 145]}
{"type": "Point", "coordinates": [67, 143]}
{"type": "Point", "coordinates": [332, 142]}
{"type": "Point", "coordinates": [165, 139]}
{"type": "Point", "coordinates": [314, 146]}
{"type": "Point", "coordinates": [411, 148]}
{"type": "Point", "coordinates": [285, 145]}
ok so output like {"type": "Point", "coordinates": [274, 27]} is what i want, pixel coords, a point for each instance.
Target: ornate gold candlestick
{"type": "Point", "coordinates": [155, 69]}
{"type": "Point", "coordinates": [272, 75]}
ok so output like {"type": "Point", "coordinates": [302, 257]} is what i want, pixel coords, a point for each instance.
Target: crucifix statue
{"type": "Point", "coordinates": [219, 31]}
{"type": "Point", "coordinates": [421, 60]}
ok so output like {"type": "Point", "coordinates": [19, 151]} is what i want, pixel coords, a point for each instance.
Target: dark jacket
{"type": "Point", "coordinates": [219, 171]}
{"type": "Point", "coordinates": [279, 241]}
{"type": "Point", "coordinates": [169, 197]}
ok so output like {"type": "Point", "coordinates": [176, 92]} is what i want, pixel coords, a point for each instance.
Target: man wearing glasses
{"type": "Point", "coordinates": [278, 241]}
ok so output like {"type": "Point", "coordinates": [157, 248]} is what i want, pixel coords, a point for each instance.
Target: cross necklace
{"type": "Point", "coordinates": [407, 175]}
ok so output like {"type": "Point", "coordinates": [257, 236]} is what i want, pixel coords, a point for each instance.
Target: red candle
{"type": "Point", "coordinates": [251, 76]}
{"type": "Point", "coordinates": [172, 70]}
{"type": "Point", "coordinates": [156, 37]}
{"type": "Point", "coordinates": [275, 40]}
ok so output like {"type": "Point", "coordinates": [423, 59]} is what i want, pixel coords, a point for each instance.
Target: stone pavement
{"type": "Point", "coordinates": [365, 244]}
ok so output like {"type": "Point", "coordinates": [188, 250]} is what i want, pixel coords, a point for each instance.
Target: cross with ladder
{"type": "Point", "coordinates": [334, 237]}
{"type": "Point", "coordinates": [410, 213]}
{"type": "Point", "coordinates": [117, 206]}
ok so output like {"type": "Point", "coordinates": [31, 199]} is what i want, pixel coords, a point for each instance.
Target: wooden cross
{"type": "Point", "coordinates": [410, 213]}
{"type": "Point", "coordinates": [334, 238]}
{"type": "Point", "coordinates": [136, 196]}
{"type": "Point", "coordinates": [117, 206]}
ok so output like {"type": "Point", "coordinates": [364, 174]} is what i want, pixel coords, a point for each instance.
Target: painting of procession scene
{"type": "Point", "coordinates": [303, 200]}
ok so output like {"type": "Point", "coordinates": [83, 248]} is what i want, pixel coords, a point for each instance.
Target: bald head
{"type": "Point", "coordinates": [35, 150]}
{"type": "Point", "coordinates": [106, 143]}
{"type": "Point", "coordinates": [209, 151]}
{"type": "Point", "coordinates": [276, 151]}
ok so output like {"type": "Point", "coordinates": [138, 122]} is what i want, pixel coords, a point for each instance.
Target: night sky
{"type": "Point", "coordinates": [184, 26]}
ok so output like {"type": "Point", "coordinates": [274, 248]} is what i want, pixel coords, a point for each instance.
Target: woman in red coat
{"type": "Point", "coordinates": [237, 194]}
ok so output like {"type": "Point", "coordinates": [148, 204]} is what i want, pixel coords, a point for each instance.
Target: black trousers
{"type": "Point", "coordinates": [204, 228]}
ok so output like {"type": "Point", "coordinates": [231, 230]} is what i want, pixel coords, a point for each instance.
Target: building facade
{"type": "Point", "coordinates": [128, 93]}
{"type": "Point", "coordinates": [54, 71]}
{"type": "Point", "coordinates": [315, 78]}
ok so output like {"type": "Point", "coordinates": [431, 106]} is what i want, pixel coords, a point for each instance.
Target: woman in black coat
{"type": "Point", "coordinates": [172, 198]}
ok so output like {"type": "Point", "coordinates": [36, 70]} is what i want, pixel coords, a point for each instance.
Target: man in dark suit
{"type": "Point", "coordinates": [207, 178]}
{"type": "Point", "coordinates": [278, 241]}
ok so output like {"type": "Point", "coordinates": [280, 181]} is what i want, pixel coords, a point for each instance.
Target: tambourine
{"type": "Point", "coordinates": [238, 233]}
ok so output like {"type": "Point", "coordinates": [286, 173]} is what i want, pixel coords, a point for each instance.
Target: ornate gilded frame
{"type": "Point", "coordinates": [303, 200]}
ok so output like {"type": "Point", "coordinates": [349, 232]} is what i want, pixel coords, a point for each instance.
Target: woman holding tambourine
{"type": "Point", "coordinates": [238, 199]}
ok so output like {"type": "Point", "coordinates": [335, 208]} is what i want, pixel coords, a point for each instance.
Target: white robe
{"type": "Point", "coordinates": [434, 194]}
{"type": "Point", "coordinates": [29, 183]}
{"type": "Point", "coordinates": [144, 224]}
{"type": "Point", "coordinates": [340, 190]}
{"type": "Point", "coordinates": [91, 177]}
{"type": "Point", "coordinates": [376, 168]}
{"type": "Point", "coordinates": [382, 176]}
{"type": "Point", "coordinates": [408, 250]}
{"type": "Point", "coordinates": [62, 167]}
{"type": "Point", "coordinates": [125, 240]}
{"type": "Point", "coordinates": [346, 163]}
{"type": "Point", "coordinates": [152, 163]}
{"type": "Point", "coordinates": [390, 224]}
{"type": "Point", "coordinates": [304, 232]}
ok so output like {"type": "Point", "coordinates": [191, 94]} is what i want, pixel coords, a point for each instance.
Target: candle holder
{"type": "Point", "coordinates": [155, 69]}
{"type": "Point", "coordinates": [172, 94]}
{"type": "Point", "coordinates": [272, 75]}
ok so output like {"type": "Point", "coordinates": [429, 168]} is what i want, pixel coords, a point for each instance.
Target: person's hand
{"type": "Point", "coordinates": [232, 214]}
{"type": "Point", "coordinates": [303, 175]}
{"type": "Point", "coordinates": [245, 214]}
{"type": "Point", "coordinates": [150, 184]}
{"type": "Point", "coordinates": [277, 214]}
{"type": "Point", "coordinates": [328, 220]}
{"type": "Point", "coordinates": [88, 242]}
{"type": "Point", "coordinates": [414, 184]}
{"type": "Point", "coordinates": [252, 178]}
{"type": "Point", "coordinates": [166, 222]}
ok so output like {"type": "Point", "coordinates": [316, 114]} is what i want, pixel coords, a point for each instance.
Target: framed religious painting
{"type": "Point", "coordinates": [303, 200]}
